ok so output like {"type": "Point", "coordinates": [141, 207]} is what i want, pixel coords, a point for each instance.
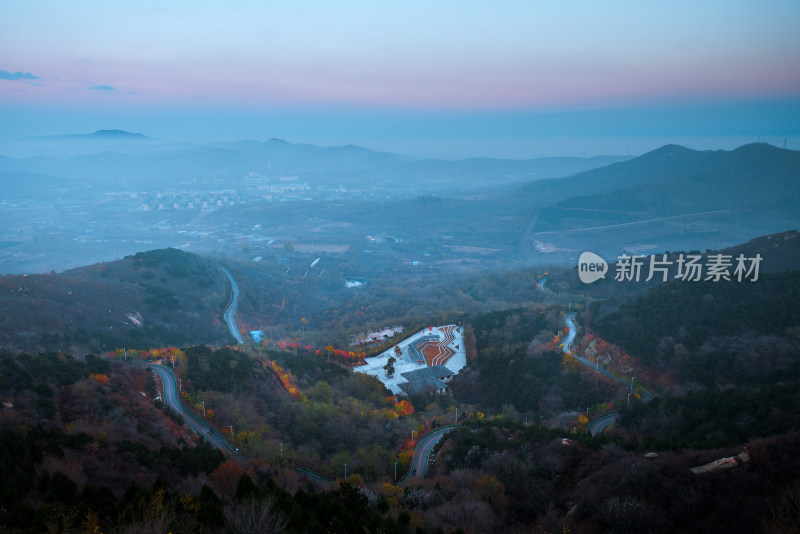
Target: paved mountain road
{"type": "Point", "coordinates": [422, 452]}
{"type": "Point", "coordinates": [598, 424]}
{"type": "Point", "coordinates": [230, 313]}
{"type": "Point", "coordinates": [195, 422]}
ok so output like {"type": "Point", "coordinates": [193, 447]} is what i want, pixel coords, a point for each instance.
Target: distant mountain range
{"type": "Point", "coordinates": [68, 145]}
{"type": "Point", "coordinates": [675, 180]}
{"type": "Point", "coordinates": [671, 198]}
{"type": "Point", "coordinates": [350, 166]}
{"type": "Point", "coordinates": [101, 135]}
{"type": "Point", "coordinates": [551, 209]}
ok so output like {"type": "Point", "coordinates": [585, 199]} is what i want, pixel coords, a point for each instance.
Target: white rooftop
{"type": "Point", "coordinates": [407, 360]}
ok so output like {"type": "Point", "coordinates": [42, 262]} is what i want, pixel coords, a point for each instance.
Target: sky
{"type": "Point", "coordinates": [444, 79]}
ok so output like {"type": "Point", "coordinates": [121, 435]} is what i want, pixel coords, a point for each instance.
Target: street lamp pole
{"type": "Point", "coordinates": [629, 401]}
{"type": "Point", "coordinates": [179, 385]}
{"type": "Point", "coordinates": [456, 414]}
{"type": "Point", "coordinates": [281, 446]}
{"type": "Point", "coordinates": [395, 471]}
{"type": "Point", "coordinates": [345, 470]}
{"type": "Point", "coordinates": [412, 436]}
{"type": "Point", "coordinates": [231, 427]}
{"type": "Point", "coordinates": [204, 407]}
{"type": "Point", "coordinates": [632, 381]}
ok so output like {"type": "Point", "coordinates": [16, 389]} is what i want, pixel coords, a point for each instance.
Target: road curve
{"type": "Point", "coordinates": [570, 320]}
{"type": "Point", "coordinates": [196, 423]}
{"type": "Point", "coordinates": [230, 313]}
{"type": "Point", "coordinates": [595, 426]}
{"type": "Point", "coordinates": [646, 395]}
{"type": "Point", "coordinates": [422, 452]}
{"type": "Point", "coordinates": [598, 424]}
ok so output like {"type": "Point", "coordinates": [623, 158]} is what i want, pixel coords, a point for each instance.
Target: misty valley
{"type": "Point", "coordinates": [276, 337]}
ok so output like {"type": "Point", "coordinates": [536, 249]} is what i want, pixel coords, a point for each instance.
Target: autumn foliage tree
{"type": "Point", "coordinates": [100, 378]}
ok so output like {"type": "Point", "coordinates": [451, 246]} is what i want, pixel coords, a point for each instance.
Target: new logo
{"type": "Point", "coordinates": [591, 267]}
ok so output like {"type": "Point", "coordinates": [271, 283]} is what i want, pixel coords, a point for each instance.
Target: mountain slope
{"type": "Point", "coordinates": [671, 198]}
{"type": "Point", "coordinates": [752, 177]}
{"type": "Point", "coordinates": [157, 298]}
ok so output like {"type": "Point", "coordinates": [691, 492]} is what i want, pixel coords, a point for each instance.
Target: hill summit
{"type": "Point", "coordinates": [118, 134]}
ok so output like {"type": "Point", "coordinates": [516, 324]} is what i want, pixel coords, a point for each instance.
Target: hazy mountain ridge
{"type": "Point", "coordinates": [666, 162]}
{"type": "Point", "coordinates": [99, 134]}
{"type": "Point", "coordinates": [67, 145]}
{"type": "Point", "coordinates": [348, 165]}
{"type": "Point", "coordinates": [724, 180]}
{"type": "Point", "coordinates": [671, 198]}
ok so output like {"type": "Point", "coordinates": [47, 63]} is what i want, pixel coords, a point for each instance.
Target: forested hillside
{"type": "Point", "coordinates": [730, 350]}
{"type": "Point", "coordinates": [157, 298]}
{"type": "Point", "coordinates": [709, 332]}
{"type": "Point", "coordinates": [518, 367]}
{"type": "Point", "coordinates": [95, 447]}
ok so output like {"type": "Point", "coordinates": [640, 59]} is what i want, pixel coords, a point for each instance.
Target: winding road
{"type": "Point", "coordinates": [597, 424]}
{"type": "Point", "coordinates": [572, 330]}
{"type": "Point", "coordinates": [570, 320]}
{"type": "Point", "coordinates": [422, 452]}
{"type": "Point", "coordinates": [230, 313]}
{"type": "Point", "coordinates": [171, 397]}
{"type": "Point", "coordinates": [194, 421]}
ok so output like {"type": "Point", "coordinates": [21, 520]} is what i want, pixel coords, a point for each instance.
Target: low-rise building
{"type": "Point", "coordinates": [428, 380]}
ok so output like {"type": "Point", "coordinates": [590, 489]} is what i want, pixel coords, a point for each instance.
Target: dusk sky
{"type": "Point", "coordinates": [446, 78]}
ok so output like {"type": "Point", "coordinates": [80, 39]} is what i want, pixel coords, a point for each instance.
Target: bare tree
{"type": "Point", "coordinates": [254, 516]}
{"type": "Point", "coordinates": [150, 521]}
